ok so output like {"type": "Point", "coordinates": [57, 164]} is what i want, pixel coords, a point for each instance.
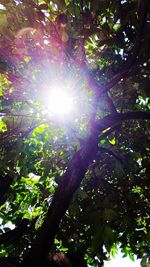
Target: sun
{"type": "Point", "coordinates": [60, 102]}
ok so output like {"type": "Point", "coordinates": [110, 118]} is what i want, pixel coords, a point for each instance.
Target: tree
{"type": "Point", "coordinates": [77, 183]}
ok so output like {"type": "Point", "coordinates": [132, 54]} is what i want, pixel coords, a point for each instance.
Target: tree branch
{"type": "Point", "coordinates": [69, 183]}
{"type": "Point", "coordinates": [133, 55]}
{"type": "Point", "coordinates": [115, 119]}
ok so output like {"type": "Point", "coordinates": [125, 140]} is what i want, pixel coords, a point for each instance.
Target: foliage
{"type": "Point", "coordinates": [78, 182]}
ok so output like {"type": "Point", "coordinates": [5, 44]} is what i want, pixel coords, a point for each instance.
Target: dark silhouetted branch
{"type": "Point", "coordinates": [115, 119]}
{"type": "Point", "coordinates": [69, 183]}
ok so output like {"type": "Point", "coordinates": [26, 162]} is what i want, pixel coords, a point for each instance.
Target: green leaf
{"type": "Point", "coordinates": [112, 141]}
{"type": "Point", "coordinates": [27, 59]}
{"type": "Point", "coordinates": [131, 256]}
{"type": "Point", "coordinates": [102, 141]}
{"type": "Point", "coordinates": [3, 126]}
{"type": "Point", "coordinates": [114, 249]}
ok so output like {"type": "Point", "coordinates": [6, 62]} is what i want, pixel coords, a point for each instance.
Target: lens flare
{"type": "Point", "coordinates": [60, 102]}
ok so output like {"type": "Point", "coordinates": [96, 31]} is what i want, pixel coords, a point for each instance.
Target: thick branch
{"type": "Point", "coordinates": [114, 119]}
{"type": "Point", "coordinates": [70, 181]}
{"type": "Point", "coordinates": [61, 200]}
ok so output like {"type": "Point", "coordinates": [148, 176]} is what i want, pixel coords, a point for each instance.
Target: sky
{"type": "Point", "coordinates": [118, 261]}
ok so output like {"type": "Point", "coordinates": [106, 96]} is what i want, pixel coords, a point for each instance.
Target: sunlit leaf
{"type": "Point", "coordinates": [112, 141]}
{"type": "Point", "coordinates": [3, 126]}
